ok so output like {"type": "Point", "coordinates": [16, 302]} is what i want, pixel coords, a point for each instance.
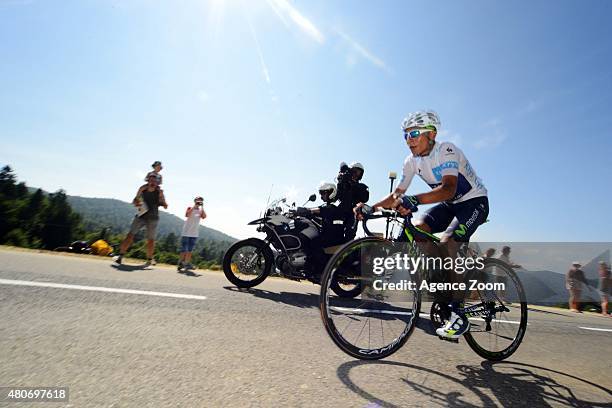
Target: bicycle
{"type": "Point", "coordinates": [497, 314]}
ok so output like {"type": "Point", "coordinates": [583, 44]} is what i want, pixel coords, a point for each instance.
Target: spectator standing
{"type": "Point", "coordinates": [574, 279]}
{"type": "Point", "coordinates": [191, 231]}
{"type": "Point", "coordinates": [605, 286]}
{"type": "Point", "coordinates": [505, 257]}
{"type": "Point", "coordinates": [151, 195]}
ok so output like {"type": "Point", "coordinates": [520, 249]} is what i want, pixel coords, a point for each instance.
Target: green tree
{"type": "Point", "coordinates": [169, 243]}
{"type": "Point", "coordinates": [8, 219]}
{"type": "Point", "coordinates": [16, 237]}
{"type": "Point", "coordinates": [60, 223]}
{"type": "Point", "coordinates": [30, 216]}
{"type": "Point", "coordinates": [7, 182]}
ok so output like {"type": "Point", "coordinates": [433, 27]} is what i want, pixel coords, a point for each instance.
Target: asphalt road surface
{"type": "Point", "coordinates": [199, 342]}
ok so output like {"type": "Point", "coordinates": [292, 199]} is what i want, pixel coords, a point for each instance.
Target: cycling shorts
{"type": "Point", "coordinates": [460, 220]}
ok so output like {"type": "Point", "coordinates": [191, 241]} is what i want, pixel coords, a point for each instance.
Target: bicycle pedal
{"type": "Point", "coordinates": [456, 341]}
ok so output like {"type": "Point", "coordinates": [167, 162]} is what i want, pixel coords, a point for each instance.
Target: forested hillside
{"type": "Point", "coordinates": [33, 218]}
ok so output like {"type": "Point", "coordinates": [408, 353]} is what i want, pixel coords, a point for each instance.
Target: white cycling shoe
{"type": "Point", "coordinates": [455, 327]}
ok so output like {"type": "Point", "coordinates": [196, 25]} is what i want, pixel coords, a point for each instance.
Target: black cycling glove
{"type": "Point", "coordinates": [302, 211]}
{"type": "Point", "coordinates": [410, 203]}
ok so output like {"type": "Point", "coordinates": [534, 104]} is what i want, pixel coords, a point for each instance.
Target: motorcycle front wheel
{"type": "Point", "coordinates": [247, 263]}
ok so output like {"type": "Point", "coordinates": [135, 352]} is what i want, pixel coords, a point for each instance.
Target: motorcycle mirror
{"type": "Point", "coordinates": [313, 197]}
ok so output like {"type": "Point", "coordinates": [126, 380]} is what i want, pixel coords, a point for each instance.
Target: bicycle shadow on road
{"type": "Point", "coordinates": [301, 300]}
{"type": "Point", "coordinates": [494, 384]}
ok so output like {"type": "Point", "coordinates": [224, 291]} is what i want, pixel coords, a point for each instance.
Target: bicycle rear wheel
{"type": "Point", "coordinates": [497, 310]}
{"type": "Point", "coordinates": [374, 324]}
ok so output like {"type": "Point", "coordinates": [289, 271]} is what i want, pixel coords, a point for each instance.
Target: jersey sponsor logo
{"type": "Point", "coordinates": [437, 171]}
{"type": "Point", "coordinates": [472, 218]}
{"type": "Point", "coordinates": [461, 230]}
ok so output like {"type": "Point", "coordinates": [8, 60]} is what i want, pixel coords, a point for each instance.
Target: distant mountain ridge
{"type": "Point", "coordinates": [118, 215]}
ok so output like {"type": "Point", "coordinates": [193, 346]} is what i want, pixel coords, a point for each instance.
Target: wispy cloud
{"type": "Point", "coordinates": [448, 136]}
{"type": "Point", "coordinates": [202, 95]}
{"type": "Point", "coordinates": [286, 11]}
{"type": "Point", "coordinates": [495, 135]}
{"type": "Point", "coordinates": [360, 50]}
{"type": "Point", "coordinates": [291, 193]}
{"type": "Point", "coordinates": [262, 61]}
{"type": "Point", "coordinates": [530, 107]}
{"type": "Point", "coordinates": [490, 141]}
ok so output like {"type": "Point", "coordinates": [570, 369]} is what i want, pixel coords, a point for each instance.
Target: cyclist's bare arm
{"type": "Point", "coordinates": [443, 192]}
{"type": "Point", "coordinates": [390, 201]}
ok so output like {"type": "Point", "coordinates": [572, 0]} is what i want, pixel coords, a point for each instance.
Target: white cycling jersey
{"type": "Point", "coordinates": [444, 159]}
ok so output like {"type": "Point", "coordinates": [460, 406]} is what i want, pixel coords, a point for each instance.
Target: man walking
{"type": "Point", "coordinates": [148, 196]}
{"type": "Point", "coordinates": [191, 232]}
{"type": "Point", "coordinates": [574, 279]}
{"type": "Point", "coordinates": [605, 286]}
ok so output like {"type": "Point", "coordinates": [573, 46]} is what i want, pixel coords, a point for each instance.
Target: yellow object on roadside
{"type": "Point", "coordinates": [101, 247]}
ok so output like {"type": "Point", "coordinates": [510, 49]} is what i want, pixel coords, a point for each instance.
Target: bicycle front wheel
{"type": "Point", "coordinates": [496, 307]}
{"type": "Point", "coordinates": [374, 324]}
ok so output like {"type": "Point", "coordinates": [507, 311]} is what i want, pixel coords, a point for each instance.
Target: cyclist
{"type": "Point", "coordinates": [462, 197]}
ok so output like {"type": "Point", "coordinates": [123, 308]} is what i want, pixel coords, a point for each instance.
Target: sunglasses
{"type": "Point", "coordinates": [413, 134]}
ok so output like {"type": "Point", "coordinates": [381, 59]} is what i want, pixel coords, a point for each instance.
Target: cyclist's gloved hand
{"type": "Point", "coordinates": [302, 211]}
{"type": "Point", "coordinates": [410, 203]}
{"type": "Point", "coordinates": [365, 209]}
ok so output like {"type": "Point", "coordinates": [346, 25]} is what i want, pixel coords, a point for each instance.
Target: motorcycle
{"type": "Point", "coordinates": [286, 248]}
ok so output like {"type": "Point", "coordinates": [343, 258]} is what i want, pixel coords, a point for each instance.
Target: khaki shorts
{"type": "Point", "coordinates": [140, 222]}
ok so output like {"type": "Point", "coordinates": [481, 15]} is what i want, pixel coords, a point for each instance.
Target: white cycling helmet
{"type": "Point", "coordinates": [421, 119]}
{"type": "Point", "coordinates": [329, 189]}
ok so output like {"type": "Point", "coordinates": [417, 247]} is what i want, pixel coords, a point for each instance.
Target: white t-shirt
{"type": "Point", "coordinates": [444, 159]}
{"type": "Point", "coordinates": [192, 223]}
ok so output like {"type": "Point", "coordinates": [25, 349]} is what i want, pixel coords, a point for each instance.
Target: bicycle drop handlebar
{"type": "Point", "coordinates": [382, 214]}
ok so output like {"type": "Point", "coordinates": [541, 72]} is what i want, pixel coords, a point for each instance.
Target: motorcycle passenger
{"type": "Point", "coordinates": [351, 191]}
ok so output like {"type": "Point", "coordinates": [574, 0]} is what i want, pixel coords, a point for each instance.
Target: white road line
{"type": "Point", "coordinates": [350, 309]}
{"type": "Point", "coordinates": [496, 321]}
{"type": "Point", "coordinates": [99, 289]}
{"type": "Point", "coordinates": [595, 329]}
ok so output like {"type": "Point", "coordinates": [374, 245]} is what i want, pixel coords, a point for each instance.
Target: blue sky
{"type": "Point", "coordinates": [234, 96]}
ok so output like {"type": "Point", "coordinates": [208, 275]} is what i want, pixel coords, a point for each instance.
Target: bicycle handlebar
{"type": "Point", "coordinates": [383, 214]}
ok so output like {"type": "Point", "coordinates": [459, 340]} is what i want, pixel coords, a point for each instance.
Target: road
{"type": "Point", "coordinates": [264, 347]}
